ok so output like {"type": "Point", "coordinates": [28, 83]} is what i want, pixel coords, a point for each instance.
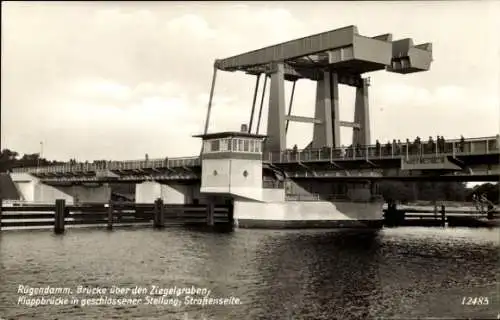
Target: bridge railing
{"type": "Point", "coordinates": [114, 165]}
{"type": "Point", "coordinates": [455, 147]}
{"type": "Point", "coordinates": [484, 145]}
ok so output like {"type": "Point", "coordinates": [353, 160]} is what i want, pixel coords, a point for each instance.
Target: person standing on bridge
{"type": "Point", "coordinates": [432, 145]}
{"type": "Point", "coordinates": [408, 146]}
{"type": "Point", "coordinates": [377, 147]}
{"type": "Point", "coordinates": [418, 146]}
{"type": "Point", "coordinates": [462, 143]}
{"type": "Point", "coordinates": [295, 151]}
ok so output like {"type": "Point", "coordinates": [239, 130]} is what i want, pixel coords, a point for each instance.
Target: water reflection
{"type": "Point", "coordinates": [311, 275]}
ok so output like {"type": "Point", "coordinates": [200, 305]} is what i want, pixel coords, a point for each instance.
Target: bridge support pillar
{"type": "Point", "coordinates": [327, 132]}
{"type": "Point", "coordinates": [174, 193]}
{"type": "Point", "coordinates": [31, 189]}
{"type": "Point", "coordinates": [276, 123]}
{"type": "Point", "coordinates": [362, 135]}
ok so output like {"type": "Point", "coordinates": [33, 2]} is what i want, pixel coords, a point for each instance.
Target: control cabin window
{"type": "Point", "coordinates": [211, 146]}
{"type": "Point", "coordinates": [243, 145]}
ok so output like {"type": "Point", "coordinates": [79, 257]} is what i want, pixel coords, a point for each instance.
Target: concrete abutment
{"type": "Point", "coordinates": [31, 189]}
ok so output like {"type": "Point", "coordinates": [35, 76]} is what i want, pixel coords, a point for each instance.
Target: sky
{"type": "Point", "coordinates": [114, 81]}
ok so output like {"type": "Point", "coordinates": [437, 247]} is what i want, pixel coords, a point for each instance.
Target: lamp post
{"type": "Point", "coordinates": [41, 153]}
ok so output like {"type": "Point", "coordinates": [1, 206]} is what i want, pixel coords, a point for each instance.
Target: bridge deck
{"type": "Point", "coordinates": [452, 148]}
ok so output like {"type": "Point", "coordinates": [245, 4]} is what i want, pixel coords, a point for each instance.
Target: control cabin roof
{"type": "Point", "coordinates": [229, 134]}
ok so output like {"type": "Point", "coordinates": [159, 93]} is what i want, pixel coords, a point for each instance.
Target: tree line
{"type": "Point", "coordinates": [393, 190]}
{"type": "Point", "coordinates": [10, 159]}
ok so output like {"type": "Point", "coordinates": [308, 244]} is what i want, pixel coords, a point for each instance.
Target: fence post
{"type": "Point", "coordinates": [59, 216]}
{"type": "Point", "coordinates": [210, 213]}
{"type": "Point", "coordinates": [1, 204]}
{"type": "Point", "coordinates": [155, 214]}
{"type": "Point", "coordinates": [159, 218]}
{"type": "Point", "coordinates": [230, 212]}
{"type": "Point", "coordinates": [443, 215]}
{"type": "Point", "coordinates": [111, 210]}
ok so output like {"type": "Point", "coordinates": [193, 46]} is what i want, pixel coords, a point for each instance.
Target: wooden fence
{"type": "Point", "coordinates": [111, 214]}
{"type": "Point", "coordinates": [439, 217]}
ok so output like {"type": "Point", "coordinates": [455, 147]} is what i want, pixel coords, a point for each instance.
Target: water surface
{"type": "Point", "coordinates": [398, 273]}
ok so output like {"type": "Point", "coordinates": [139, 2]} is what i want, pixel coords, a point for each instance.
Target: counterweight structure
{"type": "Point", "coordinates": [331, 58]}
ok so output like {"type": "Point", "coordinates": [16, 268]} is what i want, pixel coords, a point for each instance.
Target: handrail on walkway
{"type": "Point", "coordinates": [454, 147]}
{"type": "Point", "coordinates": [392, 151]}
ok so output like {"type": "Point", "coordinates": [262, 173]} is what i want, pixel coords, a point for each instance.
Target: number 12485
{"type": "Point", "coordinates": [475, 301]}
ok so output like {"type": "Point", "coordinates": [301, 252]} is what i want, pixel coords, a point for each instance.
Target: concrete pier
{"type": "Point", "coordinates": [31, 189]}
{"type": "Point", "coordinates": [169, 193]}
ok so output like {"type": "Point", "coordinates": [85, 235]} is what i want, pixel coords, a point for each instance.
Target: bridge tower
{"type": "Point", "coordinates": [341, 56]}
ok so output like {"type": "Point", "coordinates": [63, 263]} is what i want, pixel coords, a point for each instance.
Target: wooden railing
{"type": "Point", "coordinates": [440, 216]}
{"type": "Point", "coordinates": [59, 215]}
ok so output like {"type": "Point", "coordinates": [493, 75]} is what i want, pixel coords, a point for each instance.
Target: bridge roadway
{"type": "Point", "coordinates": [475, 159]}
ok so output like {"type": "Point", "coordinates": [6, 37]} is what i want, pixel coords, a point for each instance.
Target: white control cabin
{"type": "Point", "coordinates": [232, 164]}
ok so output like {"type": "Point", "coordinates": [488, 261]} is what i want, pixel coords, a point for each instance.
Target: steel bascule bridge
{"type": "Point", "coordinates": [333, 58]}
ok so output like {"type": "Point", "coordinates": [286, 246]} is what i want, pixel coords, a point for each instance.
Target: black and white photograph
{"type": "Point", "coordinates": [244, 160]}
